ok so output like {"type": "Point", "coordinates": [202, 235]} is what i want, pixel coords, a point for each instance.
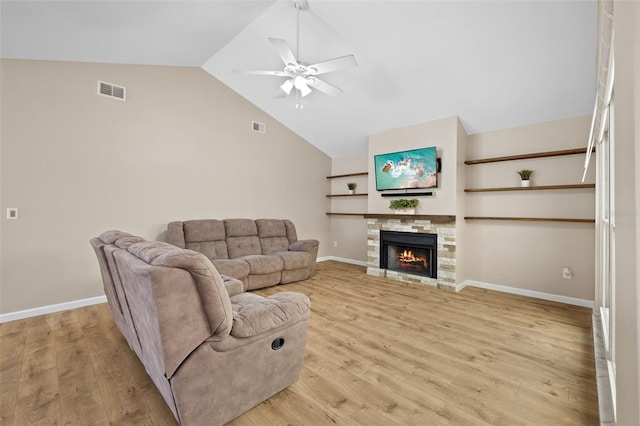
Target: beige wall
{"type": "Point", "coordinates": [627, 211]}
{"type": "Point", "coordinates": [179, 148]}
{"type": "Point", "coordinates": [349, 233]}
{"type": "Point", "coordinates": [531, 255]}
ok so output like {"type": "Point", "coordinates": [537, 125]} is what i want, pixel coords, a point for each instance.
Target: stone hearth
{"type": "Point", "coordinates": [443, 226]}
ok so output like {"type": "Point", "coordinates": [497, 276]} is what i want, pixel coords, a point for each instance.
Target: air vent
{"type": "Point", "coordinates": [111, 90]}
{"type": "Point", "coordinates": [258, 127]}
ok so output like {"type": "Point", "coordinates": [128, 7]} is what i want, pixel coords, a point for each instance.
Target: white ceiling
{"type": "Point", "coordinates": [495, 64]}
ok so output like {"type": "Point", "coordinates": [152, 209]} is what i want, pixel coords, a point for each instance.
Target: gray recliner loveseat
{"type": "Point", "coordinates": [212, 350]}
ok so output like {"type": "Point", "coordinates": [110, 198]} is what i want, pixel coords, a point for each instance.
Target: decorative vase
{"type": "Point", "coordinates": [524, 182]}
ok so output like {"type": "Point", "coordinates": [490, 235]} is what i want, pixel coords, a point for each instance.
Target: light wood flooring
{"type": "Point", "coordinates": [379, 352]}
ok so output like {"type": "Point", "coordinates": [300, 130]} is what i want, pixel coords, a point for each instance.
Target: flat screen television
{"type": "Point", "coordinates": [416, 168]}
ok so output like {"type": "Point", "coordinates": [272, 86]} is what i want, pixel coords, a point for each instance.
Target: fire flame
{"type": "Point", "coordinates": [407, 256]}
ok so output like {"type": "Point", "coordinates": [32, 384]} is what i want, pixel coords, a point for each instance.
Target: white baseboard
{"type": "Point", "coordinates": [27, 313]}
{"type": "Point", "coordinates": [529, 293]}
{"type": "Point", "coordinates": [343, 260]}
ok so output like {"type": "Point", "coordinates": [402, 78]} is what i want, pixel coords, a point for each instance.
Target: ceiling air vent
{"type": "Point", "coordinates": [111, 90]}
{"type": "Point", "coordinates": [258, 127]}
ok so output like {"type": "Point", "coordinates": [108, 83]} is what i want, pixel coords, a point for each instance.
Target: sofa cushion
{"type": "Point", "coordinates": [292, 235]}
{"type": "Point", "coordinates": [271, 228]}
{"type": "Point", "coordinates": [254, 315]}
{"type": "Point", "coordinates": [243, 246]}
{"type": "Point", "coordinates": [240, 227]}
{"type": "Point", "coordinates": [207, 237]}
{"type": "Point", "coordinates": [235, 268]}
{"type": "Point", "coordinates": [197, 231]}
{"type": "Point", "coordinates": [294, 259]}
{"type": "Point", "coordinates": [273, 235]}
{"type": "Point", "coordinates": [263, 264]}
{"type": "Point", "coordinates": [270, 245]}
{"type": "Point", "coordinates": [208, 248]}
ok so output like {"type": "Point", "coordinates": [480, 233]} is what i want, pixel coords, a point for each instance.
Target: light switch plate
{"type": "Point", "coordinates": [12, 213]}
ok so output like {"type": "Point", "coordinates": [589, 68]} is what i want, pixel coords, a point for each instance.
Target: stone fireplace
{"type": "Point", "coordinates": [413, 248]}
{"type": "Point", "coordinates": [409, 252]}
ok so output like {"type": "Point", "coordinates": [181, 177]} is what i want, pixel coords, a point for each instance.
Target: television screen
{"type": "Point", "coordinates": [406, 169]}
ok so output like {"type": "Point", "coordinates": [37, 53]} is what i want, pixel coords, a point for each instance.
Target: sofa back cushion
{"type": "Point", "coordinates": [292, 235]}
{"type": "Point", "coordinates": [273, 235]}
{"type": "Point", "coordinates": [242, 237]}
{"type": "Point", "coordinates": [207, 237]}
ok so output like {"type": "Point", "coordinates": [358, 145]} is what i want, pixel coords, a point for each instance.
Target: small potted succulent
{"type": "Point", "coordinates": [404, 206]}
{"type": "Point", "coordinates": [352, 187]}
{"type": "Point", "coordinates": [525, 176]}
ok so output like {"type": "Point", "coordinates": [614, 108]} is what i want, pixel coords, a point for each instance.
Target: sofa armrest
{"type": "Point", "coordinates": [233, 286]}
{"type": "Point", "coordinates": [253, 314]}
{"type": "Point", "coordinates": [304, 245]}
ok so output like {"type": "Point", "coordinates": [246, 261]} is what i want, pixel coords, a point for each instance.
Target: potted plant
{"type": "Point", "coordinates": [404, 206]}
{"type": "Point", "coordinates": [525, 175]}
{"type": "Point", "coordinates": [352, 187]}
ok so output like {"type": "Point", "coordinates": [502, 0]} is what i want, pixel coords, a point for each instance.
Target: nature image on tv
{"type": "Point", "coordinates": [406, 169]}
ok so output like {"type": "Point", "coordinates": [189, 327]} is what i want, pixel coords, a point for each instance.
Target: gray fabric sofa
{"type": "Point", "coordinates": [260, 253]}
{"type": "Point", "coordinates": [212, 350]}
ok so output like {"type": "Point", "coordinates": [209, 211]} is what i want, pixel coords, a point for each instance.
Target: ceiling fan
{"type": "Point", "coordinates": [301, 76]}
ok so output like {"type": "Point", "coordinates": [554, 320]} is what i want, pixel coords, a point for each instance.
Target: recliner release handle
{"type": "Point", "coordinates": [277, 343]}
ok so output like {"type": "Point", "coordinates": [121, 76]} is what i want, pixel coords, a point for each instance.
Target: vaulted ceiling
{"type": "Point", "coordinates": [495, 64]}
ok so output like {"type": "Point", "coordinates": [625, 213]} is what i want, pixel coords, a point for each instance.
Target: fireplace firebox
{"type": "Point", "coordinates": [409, 252]}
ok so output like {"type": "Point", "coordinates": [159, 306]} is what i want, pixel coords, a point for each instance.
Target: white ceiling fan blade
{"type": "Point", "coordinates": [323, 86]}
{"type": "Point", "coordinates": [333, 65]}
{"type": "Point", "coordinates": [285, 53]}
{"type": "Point", "coordinates": [248, 72]}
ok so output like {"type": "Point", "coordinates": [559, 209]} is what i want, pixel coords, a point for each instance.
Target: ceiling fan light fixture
{"type": "Point", "coordinates": [305, 91]}
{"type": "Point", "coordinates": [301, 84]}
{"type": "Point", "coordinates": [287, 86]}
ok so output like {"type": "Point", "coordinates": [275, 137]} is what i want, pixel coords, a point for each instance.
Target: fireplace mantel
{"type": "Point", "coordinates": [432, 218]}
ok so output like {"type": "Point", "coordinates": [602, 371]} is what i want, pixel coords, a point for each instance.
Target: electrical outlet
{"type": "Point", "coordinates": [567, 273]}
{"type": "Point", "coordinates": [335, 244]}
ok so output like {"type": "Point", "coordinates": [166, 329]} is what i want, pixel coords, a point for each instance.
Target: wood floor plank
{"type": "Point", "coordinates": [267, 413]}
{"type": "Point", "coordinates": [38, 398]}
{"type": "Point", "coordinates": [13, 338]}
{"type": "Point", "coordinates": [378, 352]}
{"type": "Point", "coordinates": [80, 398]}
